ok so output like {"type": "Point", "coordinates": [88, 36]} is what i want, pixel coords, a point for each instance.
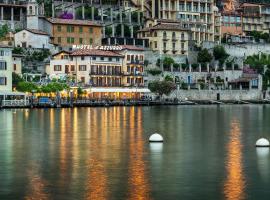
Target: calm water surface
{"type": "Point", "coordinates": [103, 153]}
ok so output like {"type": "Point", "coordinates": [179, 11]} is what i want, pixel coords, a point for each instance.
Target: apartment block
{"type": "Point", "coordinates": [66, 32]}
{"type": "Point", "coordinates": [166, 37]}
{"type": "Point", "coordinates": [5, 68]}
{"type": "Point", "coordinates": [202, 17]}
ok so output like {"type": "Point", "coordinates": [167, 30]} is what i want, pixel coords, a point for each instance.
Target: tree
{"type": "Point", "coordinates": [161, 87]}
{"type": "Point", "coordinates": [220, 54]}
{"type": "Point", "coordinates": [26, 87]}
{"type": "Point", "coordinates": [154, 71]}
{"type": "Point", "coordinates": [17, 50]}
{"type": "Point", "coordinates": [168, 78]}
{"type": "Point", "coordinates": [204, 56]}
{"type": "Point", "coordinates": [167, 62]}
{"type": "Point", "coordinates": [4, 31]}
{"type": "Point", "coordinates": [16, 79]}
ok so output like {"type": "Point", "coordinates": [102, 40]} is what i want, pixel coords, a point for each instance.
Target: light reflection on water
{"type": "Point", "coordinates": [137, 177]}
{"type": "Point", "coordinates": [234, 187]}
{"type": "Point", "coordinates": [103, 153]}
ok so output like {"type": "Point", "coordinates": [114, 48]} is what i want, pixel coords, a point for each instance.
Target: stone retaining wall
{"type": "Point", "coordinates": [213, 94]}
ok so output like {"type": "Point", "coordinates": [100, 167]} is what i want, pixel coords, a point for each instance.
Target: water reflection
{"type": "Point", "coordinates": [96, 183]}
{"type": "Point", "coordinates": [156, 148]}
{"type": "Point", "coordinates": [234, 187]}
{"type": "Point", "coordinates": [37, 185]}
{"type": "Point", "coordinates": [263, 162]}
{"type": "Point", "coordinates": [137, 176]}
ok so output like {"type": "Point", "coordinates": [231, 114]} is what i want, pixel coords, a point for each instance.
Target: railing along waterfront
{"type": "Point", "coordinates": [15, 103]}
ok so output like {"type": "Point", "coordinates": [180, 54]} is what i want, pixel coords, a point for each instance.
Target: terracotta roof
{"type": "Point", "coordinates": [35, 31]}
{"type": "Point", "coordinates": [167, 26]}
{"type": "Point", "coordinates": [63, 51]}
{"type": "Point", "coordinates": [72, 22]}
{"type": "Point", "coordinates": [131, 47]}
{"type": "Point", "coordinates": [95, 52]}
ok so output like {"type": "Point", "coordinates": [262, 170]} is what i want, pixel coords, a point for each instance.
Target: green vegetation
{"type": "Point", "coordinates": [204, 56]}
{"type": "Point", "coordinates": [146, 63]}
{"type": "Point", "coordinates": [38, 55]}
{"type": "Point", "coordinates": [51, 87]}
{"type": "Point", "coordinates": [26, 87]}
{"type": "Point", "coordinates": [161, 87]}
{"type": "Point", "coordinates": [260, 35]}
{"type": "Point", "coordinates": [167, 62]}
{"type": "Point", "coordinates": [168, 78]}
{"type": "Point", "coordinates": [4, 31]}
{"type": "Point", "coordinates": [17, 50]}
{"type": "Point", "coordinates": [220, 54]}
{"type": "Point", "coordinates": [16, 79]}
{"type": "Point", "coordinates": [154, 72]}
{"type": "Point", "coordinates": [127, 32]}
{"type": "Point", "coordinates": [258, 62]}
{"type": "Point", "coordinates": [87, 13]}
{"type": "Point", "coordinates": [108, 31]}
{"type": "Point", "coordinates": [47, 6]}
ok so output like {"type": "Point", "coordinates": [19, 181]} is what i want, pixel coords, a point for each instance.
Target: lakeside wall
{"type": "Point", "coordinates": [225, 95]}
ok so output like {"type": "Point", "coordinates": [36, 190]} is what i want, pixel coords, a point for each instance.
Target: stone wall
{"type": "Point", "coordinates": [213, 94]}
{"type": "Point", "coordinates": [152, 57]}
{"type": "Point", "coordinates": [241, 50]}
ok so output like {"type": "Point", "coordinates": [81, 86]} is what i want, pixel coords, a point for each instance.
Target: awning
{"type": "Point", "coordinates": [123, 90]}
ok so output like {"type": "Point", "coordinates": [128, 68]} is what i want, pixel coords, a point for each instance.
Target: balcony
{"type": "Point", "coordinates": [132, 73]}
{"type": "Point", "coordinates": [165, 38]}
{"type": "Point", "coordinates": [137, 62]}
{"type": "Point", "coordinates": [106, 85]}
{"type": "Point", "coordinates": [174, 38]}
{"type": "Point", "coordinates": [105, 74]}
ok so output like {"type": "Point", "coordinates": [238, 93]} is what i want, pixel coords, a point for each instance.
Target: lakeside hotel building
{"type": "Point", "coordinates": [109, 74]}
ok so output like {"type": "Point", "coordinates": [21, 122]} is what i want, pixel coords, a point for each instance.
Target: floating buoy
{"type": "Point", "coordinates": [156, 138]}
{"type": "Point", "coordinates": [262, 143]}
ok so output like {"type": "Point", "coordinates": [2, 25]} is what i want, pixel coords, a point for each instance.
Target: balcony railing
{"type": "Point", "coordinates": [138, 62]}
{"type": "Point", "coordinates": [13, 2]}
{"type": "Point", "coordinates": [106, 73]}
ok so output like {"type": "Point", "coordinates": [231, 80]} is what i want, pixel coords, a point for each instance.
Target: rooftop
{"type": "Point", "coordinates": [132, 47]}
{"type": "Point", "coordinates": [165, 26]}
{"type": "Point", "coordinates": [95, 52]}
{"type": "Point", "coordinates": [72, 22]}
{"type": "Point", "coordinates": [35, 31]}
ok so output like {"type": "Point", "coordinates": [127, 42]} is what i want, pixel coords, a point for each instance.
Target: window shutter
{"type": "Point", "coordinates": [5, 65]}
{"type": "Point", "coordinates": [5, 81]}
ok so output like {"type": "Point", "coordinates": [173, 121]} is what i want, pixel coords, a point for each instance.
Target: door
{"type": "Point", "coordinates": [218, 96]}
{"type": "Point", "coordinates": [66, 69]}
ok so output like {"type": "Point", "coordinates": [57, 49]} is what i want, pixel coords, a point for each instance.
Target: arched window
{"type": "Point", "coordinates": [30, 10]}
{"type": "Point", "coordinates": [173, 35]}
{"type": "Point", "coordinates": [164, 34]}
{"type": "Point", "coordinates": [182, 36]}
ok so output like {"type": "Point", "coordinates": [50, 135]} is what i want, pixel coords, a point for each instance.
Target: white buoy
{"type": "Point", "coordinates": [262, 143]}
{"type": "Point", "coordinates": [156, 138]}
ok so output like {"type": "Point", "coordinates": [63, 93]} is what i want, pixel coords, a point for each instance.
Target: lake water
{"type": "Point", "coordinates": [103, 153]}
